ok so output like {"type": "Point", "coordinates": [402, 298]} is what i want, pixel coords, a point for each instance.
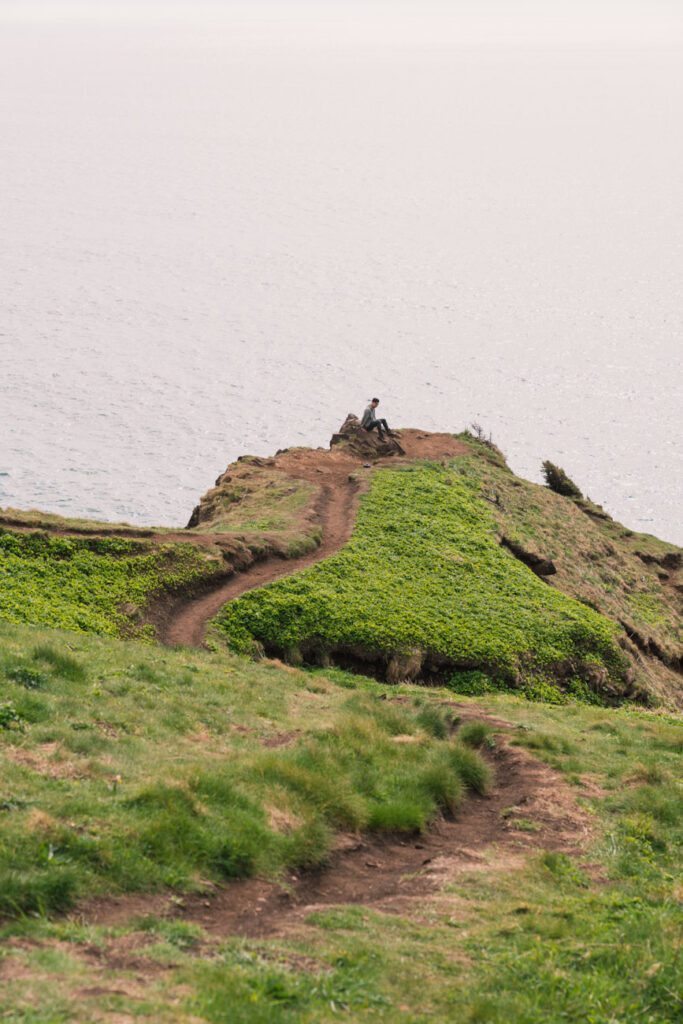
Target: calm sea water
{"type": "Point", "coordinates": [215, 243]}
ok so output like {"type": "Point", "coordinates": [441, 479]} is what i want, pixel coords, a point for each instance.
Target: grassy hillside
{"type": "Point", "coordinates": [94, 584]}
{"type": "Point", "coordinates": [424, 588]}
{"type": "Point", "coordinates": [632, 578]}
{"type": "Point", "coordinates": [127, 768]}
{"type": "Point", "coordinates": [437, 582]}
{"type": "Point", "coordinates": [456, 569]}
{"type": "Point", "coordinates": [130, 769]}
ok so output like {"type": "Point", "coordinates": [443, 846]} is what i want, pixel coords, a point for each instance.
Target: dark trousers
{"type": "Point", "coordinates": [378, 424]}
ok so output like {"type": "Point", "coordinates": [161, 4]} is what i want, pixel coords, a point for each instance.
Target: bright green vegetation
{"type": "Point", "coordinates": [126, 768]}
{"type": "Point", "coordinates": [424, 586]}
{"type": "Point", "coordinates": [123, 743]}
{"type": "Point", "coordinates": [91, 584]}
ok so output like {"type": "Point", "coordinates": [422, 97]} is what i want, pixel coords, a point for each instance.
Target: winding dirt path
{"type": "Point", "coordinates": [188, 619]}
{"type": "Point", "coordinates": [331, 471]}
{"type": "Point", "coordinates": [393, 873]}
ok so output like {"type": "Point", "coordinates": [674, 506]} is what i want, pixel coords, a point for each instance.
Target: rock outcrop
{"type": "Point", "coordinates": [363, 443]}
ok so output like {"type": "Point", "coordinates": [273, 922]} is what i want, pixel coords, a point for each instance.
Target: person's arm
{"type": "Point", "coordinates": [367, 417]}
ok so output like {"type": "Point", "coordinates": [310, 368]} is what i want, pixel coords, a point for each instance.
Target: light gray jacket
{"type": "Point", "coordinates": [368, 416]}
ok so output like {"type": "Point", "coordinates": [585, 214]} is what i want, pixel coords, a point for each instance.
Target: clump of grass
{"type": "Point", "coordinates": [38, 890]}
{"type": "Point", "coordinates": [473, 770]}
{"type": "Point", "coordinates": [437, 721]}
{"type": "Point", "coordinates": [27, 677]}
{"type": "Point", "coordinates": [544, 742]}
{"type": "Point", "coordinates": [64, 665]}
{"type": "Point", "coordinates": [525, 825]}
{"type": "Point", "coordinates": [10, 717]}
{"type": "Point", "coordinates": [476, 734]}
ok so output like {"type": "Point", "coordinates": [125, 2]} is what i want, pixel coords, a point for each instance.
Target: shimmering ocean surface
{"type": "Point", "coordinates": [215, 243]}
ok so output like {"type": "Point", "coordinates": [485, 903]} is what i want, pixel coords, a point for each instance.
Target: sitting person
{"type": "Point", "coordinates": [370, 421]}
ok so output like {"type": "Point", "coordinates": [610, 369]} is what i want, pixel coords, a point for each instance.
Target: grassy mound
{"type": "Point", "coordinates": [254, 498]}
{"type": "Point", "coordinates": [424, 587]}
{"type": "Point", "coordinates": [128, 768]}
{"type": "Point", "coordinates": [94, 584]}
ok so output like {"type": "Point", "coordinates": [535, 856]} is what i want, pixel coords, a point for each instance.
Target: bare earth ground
{"type": "Point", "coordinates": [390, 873]}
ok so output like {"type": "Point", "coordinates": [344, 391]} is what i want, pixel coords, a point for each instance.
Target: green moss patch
{"type": "Point", "coordinates": [423, 587]}
{"type": "Point", "coordinates": [91, 585]}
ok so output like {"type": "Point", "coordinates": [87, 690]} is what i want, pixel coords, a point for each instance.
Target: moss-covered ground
{"type": "Point", "coordinates": [126, 767]}
{"type": "Point", "coordinates": [93, 584]}
{"type": "Point", "coordinates": [425, 586]}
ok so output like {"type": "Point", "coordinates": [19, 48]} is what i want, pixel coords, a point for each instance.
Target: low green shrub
{"type": "Point", "coordinates": [423, 577]}
{"type": "Point", "coordinates": [557, 480]}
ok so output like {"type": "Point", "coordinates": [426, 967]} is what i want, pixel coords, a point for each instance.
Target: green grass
{"type": "Point", "coordinates": [424, 584]}
{"type": "Point", "coordinates": [628, 577]}
{"type": "Point", "coordinates": [96, 585]}
{"type": "Point", "coordinates": [132, 768]}
{"type": "Point", "coordinates": [149, 768]}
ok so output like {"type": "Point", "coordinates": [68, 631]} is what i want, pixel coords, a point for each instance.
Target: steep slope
{"type": "Point", "coordinates": [461, 566]}
{"type": "Point", "coordinates": [633, 578]}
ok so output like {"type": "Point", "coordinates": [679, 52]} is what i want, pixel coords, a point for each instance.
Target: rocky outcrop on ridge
{"type": "Point", "coordinates": [364, 443]}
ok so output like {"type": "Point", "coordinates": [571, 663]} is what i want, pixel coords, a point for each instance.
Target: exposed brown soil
{"type": "Point", "coordinates": [393, 873]}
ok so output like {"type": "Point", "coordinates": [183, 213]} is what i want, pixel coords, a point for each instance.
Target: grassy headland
{"type": "Point", "coordinates": [152, 778]}
{"type": "Point", "coordinates": [435, 582]}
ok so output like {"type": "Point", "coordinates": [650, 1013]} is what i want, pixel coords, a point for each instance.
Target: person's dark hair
{"type": "Point", "coordinates": [375, 399]}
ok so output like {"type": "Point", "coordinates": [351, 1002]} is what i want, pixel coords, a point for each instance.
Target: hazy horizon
{"type": "Point", "coordinates": [226, 225]}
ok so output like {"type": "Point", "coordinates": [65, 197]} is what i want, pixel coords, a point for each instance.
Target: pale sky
{"type": "Point", "coordinates": [593, 22]}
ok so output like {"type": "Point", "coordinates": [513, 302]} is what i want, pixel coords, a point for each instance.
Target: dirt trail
{"type": "Point", "coordinates": [393, 873]}
{"type": "Point", "coordinates": [188, 619]}
{"type": "Point", "coordinates": [185, 620]}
